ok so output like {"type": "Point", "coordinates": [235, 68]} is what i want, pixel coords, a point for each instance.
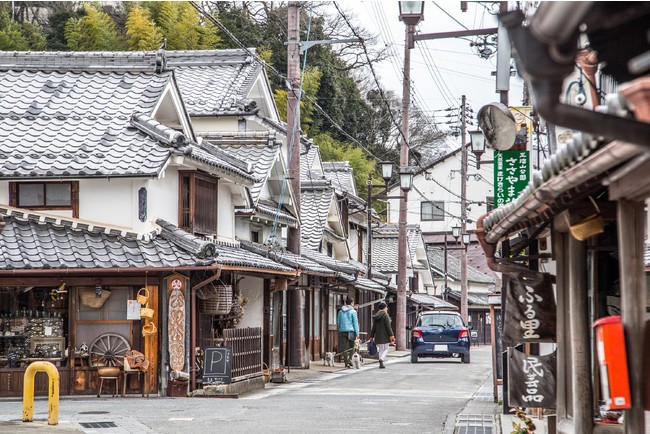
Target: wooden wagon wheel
{"type": "Point", "coordinates": [108, 350]}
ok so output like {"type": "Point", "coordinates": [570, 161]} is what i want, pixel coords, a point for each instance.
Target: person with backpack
{"type": "Point", "coordinates": [382, 332]}
{"type": "Point", "coordinates": [348, 324]}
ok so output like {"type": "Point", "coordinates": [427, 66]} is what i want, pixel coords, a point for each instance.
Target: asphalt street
{"type": "Point", "coordinates": [403, 398]}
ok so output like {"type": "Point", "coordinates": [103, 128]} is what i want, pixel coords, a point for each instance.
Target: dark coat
{"type": "Point", "coordinates": [381, 329]}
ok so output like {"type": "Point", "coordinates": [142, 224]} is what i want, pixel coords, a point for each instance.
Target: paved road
{"type": "Point", "coordinates": [404, 398]}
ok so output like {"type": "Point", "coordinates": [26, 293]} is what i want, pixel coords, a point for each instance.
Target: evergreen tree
{"type": "Point", "coordinates": [15, 36]}
{"type": "Point", "coordinates": [183, 27]}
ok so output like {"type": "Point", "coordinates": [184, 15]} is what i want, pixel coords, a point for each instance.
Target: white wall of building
{"type": "Point", "coordinates": [252, 288]}
{"type": "Point", "coordinates": [443, 184]}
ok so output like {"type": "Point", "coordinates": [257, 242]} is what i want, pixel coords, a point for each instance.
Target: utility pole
{"type": "Point", "coordinates": [463, 212]}
{"type": "Point", "coordinates": [295, 338]}
{"type": "Point", "coordinates": [400, 315]}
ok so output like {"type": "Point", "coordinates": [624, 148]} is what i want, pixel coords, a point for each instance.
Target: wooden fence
{"type": "Point", "coordinates": [246, 346]}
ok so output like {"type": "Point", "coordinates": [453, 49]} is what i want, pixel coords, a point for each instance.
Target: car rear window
{"type": "Point", "coordinates": [442, 320]}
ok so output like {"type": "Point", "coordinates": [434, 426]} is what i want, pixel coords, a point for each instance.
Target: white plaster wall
{"type": "Point", "coordinates": [108, 201]}
{"type": "Point", "coordinates": [253, 289]}
{"type": "Point", "coordinates": [225, 123]}
{"type": "Point", "coordinates": [445, 186]}
{"type": "Point", "coordinates": [226, 217]}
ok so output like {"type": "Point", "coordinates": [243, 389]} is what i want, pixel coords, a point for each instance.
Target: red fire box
{"type": "Point", "coordinates": [612, 359]}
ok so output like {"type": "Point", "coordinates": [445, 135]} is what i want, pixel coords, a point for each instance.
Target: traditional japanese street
{"type": "Point", "coordinates": [407, 398]}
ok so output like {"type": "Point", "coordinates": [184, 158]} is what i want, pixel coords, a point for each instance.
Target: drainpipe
{"type": "Point", "coordinates": [546, 65]}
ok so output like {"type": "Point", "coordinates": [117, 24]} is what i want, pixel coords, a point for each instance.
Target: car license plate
{"type": "Point", "coordinates": [440, 348]}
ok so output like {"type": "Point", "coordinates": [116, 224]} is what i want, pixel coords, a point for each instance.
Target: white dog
{"type": "Point", "coordinates": [357, 360]}
{"type": "Point", "coordinates": [328, 360]}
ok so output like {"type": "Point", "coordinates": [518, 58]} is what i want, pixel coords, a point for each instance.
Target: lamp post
{"type": "Point", "coordinates": [386, 174]}
{"type": "Point", "coordinates": [411, 13]}
{"type": "Point", "coordinates": [477, 143]}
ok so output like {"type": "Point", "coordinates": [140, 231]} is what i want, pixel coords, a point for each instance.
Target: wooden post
{"type": "Point", "coordinates": [580, 337]}
{"type": "Point", "coordinates": [631, 235]}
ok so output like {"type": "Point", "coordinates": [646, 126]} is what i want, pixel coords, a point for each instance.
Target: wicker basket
{"type": "Point", "coordinates": [209, 307]}
{"type": "Point", "coordinates": [588, 227]}
{"type": "Point", "coordinates": [146, 312]}
{"type": "Point", "coordinates": [108, 371]}
{"type": "Point", "coordinates": [215, 299]}
{"type": "Point", "coordinates": [88, 297]}
{"type": "Point", "coordinates": [149, 329]}
{"type": "Point", "coordinates": [143, 296]}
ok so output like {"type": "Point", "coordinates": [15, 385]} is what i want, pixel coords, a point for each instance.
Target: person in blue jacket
{"type": "Point", "coordinates": [348, 324]}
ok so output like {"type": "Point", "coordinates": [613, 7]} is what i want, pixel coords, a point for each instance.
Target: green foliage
{"type": "Point", "coordinates": [95, 31]}
{"type": "Point", "coordinates": [183, 27]}
{"type": "Point", "coordinates": [141, 31]}
{"type": "Point", "coordinates": [334, 150]}
{"type": "Point", "coordinates": [310, 86]}
{"type": "Point", "coordinates": [526, 426]}
{"type": "Point", "coordinates": [19, 37]}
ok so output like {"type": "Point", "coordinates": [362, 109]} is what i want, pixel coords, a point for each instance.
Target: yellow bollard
{"type": "Point", "coordinates": [53, 392]}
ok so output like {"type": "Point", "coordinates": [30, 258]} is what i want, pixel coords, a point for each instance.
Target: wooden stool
{"type": "Point", "coordinates": [109, 373]}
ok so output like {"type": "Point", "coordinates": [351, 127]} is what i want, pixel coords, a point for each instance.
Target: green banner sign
{"type": "Point", "coordinates": [511, 175]}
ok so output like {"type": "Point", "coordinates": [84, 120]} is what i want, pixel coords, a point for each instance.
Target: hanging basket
{"type": "Point", "coordinates": [588, 227]}
{"type": "Point", "coordinates": [209, 307]}
{"type": "Point", "coordinates": [215, 299]}
{"type": "Point", "coordinates": [143, 296]}
{"type": "Point", "coordinates": [88, 297]}
{"type": "Point", "coordinates": [149, 329]}
{"type": "Point", "coordinates": [146, 312]}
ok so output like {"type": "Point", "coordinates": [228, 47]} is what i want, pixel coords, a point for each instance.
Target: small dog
{"type": "Point", "coordinates": [328, 360]}
{"type": "Point", "coordinates": [357, 360]}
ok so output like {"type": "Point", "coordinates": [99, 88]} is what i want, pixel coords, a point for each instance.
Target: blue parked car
{"type": "Point", "coordinates": [440, 334]}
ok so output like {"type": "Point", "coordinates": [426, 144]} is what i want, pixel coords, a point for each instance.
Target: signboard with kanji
{"type": "Point", "coordinates": [511, 175]}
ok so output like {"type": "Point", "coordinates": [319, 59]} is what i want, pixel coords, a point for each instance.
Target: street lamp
{"type": "Point", "coordinates": [477, 143]}
{"type": "Point", "coordinates": [386, 174]}
{"type": "Point", "coordinates": [405, 181]}
{"type": "Point", "coordinates": [455, 231]}
{"type": "Point", "coordinates": [411, 12]}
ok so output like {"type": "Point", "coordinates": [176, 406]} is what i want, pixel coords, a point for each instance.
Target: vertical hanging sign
{"type": "Point", "coordinates": [511, 175]}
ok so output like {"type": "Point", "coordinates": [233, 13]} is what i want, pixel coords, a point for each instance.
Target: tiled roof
{"type": "Point", "coordinates": [363, 284]}
{"type": "Point", "coordinates": [215, 82]}
{"type": "Point", "coordinates": [436, 255]}
{"type": "Point", "coordinates": [340, 174]}
{"type": "Point", "coordinates": [67, 124]}
{"type": "Point", "coordinates": [31, 241]}
{"type": "Point", "coordinates": [261, 149]}
{"type": "Point", "coordinates": [385, 247]}
{"type": "Point", "coordinates": [328, 261]}
{"type": "Point", "coordinates": [227, 254]}
{"type": "Point", "coordinates": [432, 301]}
{"type": "Point", "coordinates": [307, 266]}
{"type": "Point", "coordinates": [474, 299]}
{"type": "Point", "coordinates": [270, 209]}
{"type": "Point", "coordinates": [112, 61]}
{"type": "Point", "coordinates": [378, 277]}
{"type": "Point", "coordinates": [314, 208]}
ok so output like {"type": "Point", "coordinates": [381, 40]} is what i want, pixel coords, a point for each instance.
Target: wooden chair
{"type": "Point", "coordinates": [142, 378]}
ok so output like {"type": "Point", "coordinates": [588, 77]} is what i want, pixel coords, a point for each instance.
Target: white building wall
{"type": "Point", "coordinates": [252, 289]}
{"type": "Point", "coordinates": [444, 185]}
{"type": "Point", "coordinates": [226, 217]}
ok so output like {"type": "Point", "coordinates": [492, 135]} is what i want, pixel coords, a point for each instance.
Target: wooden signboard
{"type": "Point", "coordinates": [176, 322]}
{"type": "Point", "coordinates": [530, 311]}
{"type": "Point", "coordinates": [217, 365]}
{"type": "Point", "coordinates": [531, 379]}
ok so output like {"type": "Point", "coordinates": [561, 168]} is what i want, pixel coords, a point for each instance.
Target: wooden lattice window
{"type": "Point", "coordinates": [198, 203]}
{"type": "Point", "coordinates": [55, 195]}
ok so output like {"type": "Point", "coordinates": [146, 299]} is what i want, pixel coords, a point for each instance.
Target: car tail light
{"type": "Point", "coordinates": [416, 333]}
{"type": "Point", "coordinates": [463, 334]}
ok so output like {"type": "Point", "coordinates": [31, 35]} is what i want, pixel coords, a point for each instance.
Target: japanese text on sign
{"type": "Point", "coordinates": [511, 175]}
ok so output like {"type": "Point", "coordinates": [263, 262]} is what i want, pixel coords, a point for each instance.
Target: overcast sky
{"type": "Point", "coordinates": [442, 70]}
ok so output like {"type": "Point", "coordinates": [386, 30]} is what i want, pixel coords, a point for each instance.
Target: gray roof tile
{"type": "Point", "coordinates": [436, 256]}
{"type": "Point", "coordinates": [314, 208]}
{"type": "Point", "coordinates": [328, 261]}
{"type": "Point", "coordinates": [385, 247]}
{"type": "Point", "coordinates": [474, 299]}
{"type": "Point", "coordinates": [29, 243]}
{"type": "Point", "coordinates": [340, 175]}
{"type": "Point", "coordinates": [307, 266]}
{"type": "Point", "coordinates": [432, 301]}
{"type": "Point", "coordinates": [214, 82]}
{"type": "Point", "coordinates": [82, 129]}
